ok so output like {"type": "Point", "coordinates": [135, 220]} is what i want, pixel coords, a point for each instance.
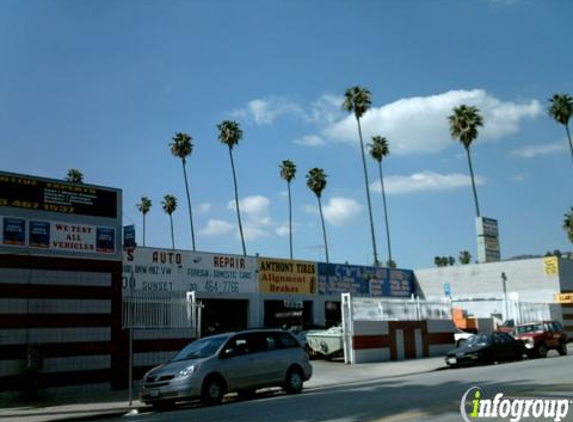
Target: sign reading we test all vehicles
{"type": "Point", "coordinates": [168, 270]}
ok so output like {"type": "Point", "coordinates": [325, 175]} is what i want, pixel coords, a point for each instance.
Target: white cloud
{"type": "Point", "coordinates": [256, 206]}
{"type": "Point", "coordinates": [531, 151]}
{"type": "Point", "coordinates": [424, 181]}
{"type": "Point", "coordinates": [338, 211]}
{"type": "Point", "coordinates": [519, 178]}
{"type": "Point", "coordinates": [264, 111]}
{"type": "Point", "coordinates": [420, 125]}
{"type": "Point", "coordinates": [310, 141]}
{"type": "Point", "coordinates": [255, 211]}
{"type": "Point", "coordinates": [216, 228]}
{"type": "Point", "coordinates": [282, 230]}
{"type": "Point", "coordinates": [203, 208]}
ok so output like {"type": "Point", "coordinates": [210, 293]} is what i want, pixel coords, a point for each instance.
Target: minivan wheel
{"type": "Point", "coordinates": [293, 382]}
{"type": "Point", "coordinates": [541, 351]}
{"type": "Point", "coordinates": [213, 391]}
{"type": "Point", "coordinates": [562, 349]}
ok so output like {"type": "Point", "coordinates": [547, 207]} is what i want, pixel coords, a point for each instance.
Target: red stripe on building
{"type": "Point", "coordinates": [361, 342]}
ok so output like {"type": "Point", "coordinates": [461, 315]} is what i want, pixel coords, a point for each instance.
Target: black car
{"type": "Point", "coordinates": [486, 348]}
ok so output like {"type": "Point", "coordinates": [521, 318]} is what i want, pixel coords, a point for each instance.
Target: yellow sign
{"type": "Point", "coordinates": [551, 266]}
{"type": "Point", "coordinates": [285, 276]}
{"type": "Point", "coordinates": [564, 298]}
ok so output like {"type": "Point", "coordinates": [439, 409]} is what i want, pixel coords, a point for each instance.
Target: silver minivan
{"type": "Point", "coordinates": [241, 362]}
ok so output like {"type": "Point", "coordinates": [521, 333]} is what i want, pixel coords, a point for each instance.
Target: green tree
{"type": "Point", "coordinates": [288, 173]}
{"type": "Point", "coordinates": [568, 224]}
{"type": "Point", "coordinates": [74, 176]}
{"type": "Point", "coordinates": [181, 147]}
{"type": "Point", "coordinates": [144, 207]}
{"type": "Point", "coordinates": [463, 127]}
{"type": "Point", "coordinates": [316, 182]}
{"type": "Point", "coordinates": [561, 110]}
{"type": "Point", "coordinates": [169, 205]}
{"type": "Point", "coordinates": [379, 148]}
{"type": "Point", "coordinates": [357, 100]}
{"type": "Point", "coordinates": [465, 257]}
{"type": "Point", "coordinates": [230, 134]}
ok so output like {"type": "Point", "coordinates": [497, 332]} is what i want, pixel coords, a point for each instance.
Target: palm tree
{"type": "Point", "coordinates": [144, 207]}
{"type": "Point", "coordinates": [465, 257]}
{"type": "Point", "coordinates": [169, 205]}
{"type": "Point", "coordinates": [230, 134]}
{"type": "Point", "coordinates": [316, 182]}
{"type": "Point", "coordinates": [288, 173]}
{"type": "Point", "coordinates": [561, 110]}
{"type": "Point", "coordinates": [181, 147]}
{"type": "Point", "coordinates": [463, 126]}
{"type": "Point", "coordinates": [358, 100]}
{"type": "Point", "coordinates": [568, 224]}
{"type": "Point", "coordinates": [378, 150]}
{"type": "Point", "coordinates": [74, 176]}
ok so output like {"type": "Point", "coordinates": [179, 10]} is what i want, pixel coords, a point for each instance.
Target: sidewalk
{"type": "Point", "coordinates": [115, 403]}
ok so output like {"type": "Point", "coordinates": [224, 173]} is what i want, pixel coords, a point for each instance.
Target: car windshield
{"type": "Point", "coordinates": [478, 340]}
{"type": "Point", "coordinates": [200, 349]}
{"type": "Point", "coordinates": [531, 328]}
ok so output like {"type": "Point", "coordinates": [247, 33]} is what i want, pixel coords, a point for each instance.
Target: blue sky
{"type": "Point", "coordinates": [103, 85]}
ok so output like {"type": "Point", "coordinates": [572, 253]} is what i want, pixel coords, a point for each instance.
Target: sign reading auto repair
{"type": "Point", "coordinates": [286, 276]}
{"type": "Point", "coordinates": [169, 270]}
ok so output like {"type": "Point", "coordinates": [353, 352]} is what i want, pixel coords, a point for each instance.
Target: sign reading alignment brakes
{"type": "Point", "coordinates": [286, 276]}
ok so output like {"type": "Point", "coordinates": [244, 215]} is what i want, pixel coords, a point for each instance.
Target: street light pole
{"type": "Point", "coordinates": [504, 280]}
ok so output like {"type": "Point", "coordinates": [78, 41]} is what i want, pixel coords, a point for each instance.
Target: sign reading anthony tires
{"type": "Point", "coordinates": [286, 276]}
{"type": "Point", "coordinates": [169, 270]}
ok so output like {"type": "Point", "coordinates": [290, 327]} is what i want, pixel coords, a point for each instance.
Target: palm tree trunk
{"type": "Point", "coordinates": [569, 138]}
{"type": "Point", "coordinates": [473, 181]}
{"type": "Point", "coordinates": [143, 230]}
{"type": "Point", "coordinates": [385, 212]}
{"type": "Point", "coordinates": [376, 262]}
{"type": "Point", "coordinates": [289, 219]}
{"type": "Point", "coordinates": [189, 206]}
{"type": "Point", "coordinates": [323, 229]}
{"type": "Point", "coordinates": [237, 202]}
{"type": "Point", "coordinates": [172, 234]}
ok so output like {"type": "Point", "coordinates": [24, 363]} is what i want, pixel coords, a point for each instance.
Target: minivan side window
{"type": "Point", "coordinates": [286, 340]}
{"type": "Point", "coordinates": [237, 346]}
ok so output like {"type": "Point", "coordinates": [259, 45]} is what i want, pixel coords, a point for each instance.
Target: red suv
{"type": "Point", "coordinates": [539, 337]}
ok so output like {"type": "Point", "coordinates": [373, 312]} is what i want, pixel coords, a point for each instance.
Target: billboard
{"type": "Point", "coordinates": [31, 193]}
{"type": "Point", "coordinates": [287, 276]}
{"type": "Point", "coordinates": [57, 236]}
{"type": "Point", "coordinates": [358, 280]}
{"type": "Point", "coordinates": [487, 230]}
{"type": "Point", "coordinates": [169, 270]}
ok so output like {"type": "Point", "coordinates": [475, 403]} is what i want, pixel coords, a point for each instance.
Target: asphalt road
{"type": "Point", "coordinates": [432, 396]}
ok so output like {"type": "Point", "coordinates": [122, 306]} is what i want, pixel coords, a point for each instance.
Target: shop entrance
{"type": "Point", "coordinates": [222, 315]}
{"type": "Point", "coordinates": [288, 314]}
{"type": "Point", "coordinates": [332, 314]}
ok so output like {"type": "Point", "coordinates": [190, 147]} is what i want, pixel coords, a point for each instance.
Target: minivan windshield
{"type": "Point", "coordinates": [200, 349]}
